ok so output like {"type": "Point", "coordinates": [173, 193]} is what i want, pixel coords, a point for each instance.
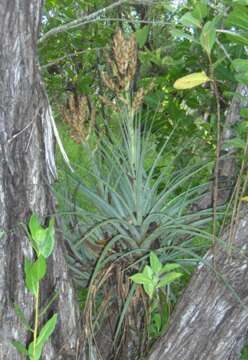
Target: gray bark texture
{"type": "Point", "coordinates": [210, 321]}
{"type": "Point", "coordinates": [26, 168]}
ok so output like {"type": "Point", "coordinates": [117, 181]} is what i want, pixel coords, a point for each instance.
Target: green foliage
{"type": "Point", "coordinates": [189, 20]}
{"type": "Point", "coordinates": [190, 81]}
{"type": "Point", "coordinates": [142, 35]}
{"type": "Point", "coordinates": [208, 36]}
{"type": "Point", "coordinates": [35, 347]}
{"type": "Point", "coordinates": [135, 205]}
{"type": "Point", "coordinates": [244, 354]}
{"type": "Point", "coordinates": [131, 193]}
{"type": "Point", "coordinates": [34, 272]}
{"type": "Point", "coordinates": [238, 17]}
{"type": "Point", "coordinates": [156, 275]}
{"type": "Point", "coordinates": [42, 241]}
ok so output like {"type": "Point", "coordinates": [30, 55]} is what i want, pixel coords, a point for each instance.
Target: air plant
{"type": "Point", "coordinates": [135, 206]}
{"type": "Point", "coordinates": [133, 210]}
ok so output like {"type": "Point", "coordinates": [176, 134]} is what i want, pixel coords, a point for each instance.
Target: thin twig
{"type": "Point", "coordinates": [224, 50]}
{"type": "Point", "coordinates": [70, 55]}
{"type": "Point", "coordinates": [80, 21]}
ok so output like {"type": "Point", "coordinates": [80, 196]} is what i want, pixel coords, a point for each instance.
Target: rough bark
{"type": "Point", "coordinates": [228, 163]}
{"type": "Point", "coordinates": [211, 319]}
{"type": "Point", "coordinates": [27, 165]}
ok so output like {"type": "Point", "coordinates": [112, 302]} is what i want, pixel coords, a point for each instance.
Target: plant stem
{"type": "Point", "coordinates": [36, 321]}
{"type": "Point", "coordinates": [44, 310]}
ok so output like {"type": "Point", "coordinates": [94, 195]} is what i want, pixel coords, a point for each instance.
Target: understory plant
{"type": "Point", "coordinates": [133, 209]}
{"type": "Point", "coordinates": [42, 242]}
{"type": "Point", "coordinates": [154, 278]}
{"type": "Point", "coordinates": [136, 202]}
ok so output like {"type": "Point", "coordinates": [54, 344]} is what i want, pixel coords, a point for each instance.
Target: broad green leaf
{"type": "Point", "coordinates": [149, 289]}
{"type": "Point", "coordinates": [167, 279]}
{"type": "Point", "coordinates": [142, 35]}
{"type": "Point", "coordinates": [22, 317]}
{"type": "Point", "coordinates": [189, 20]}
{"type": "Point", "coordinates": [47, 245]}
{"type": "Point", "coordinates": [238, 17]}
{"type": "Point", "coordinates": [35, 227]}
{"type": "Point", "coordinates": [200, 11]}
{"type": "Point", "coordinates": [43, 237]}
{"type": "Point", "coordinates": [155, 263]}
{"type": "Point", "coordinates": [242, 78]}
{"type": "Point", "coordinates": [34, 272]}
{"type": "Point", "coordinates": [140, 278]}
{"type": "Point", "coordinates": [222, 72]}
{"type": "Point", "coordinates": [39, 268]}
{"type": "Point", "coordinates": [44, 335]}
{"type": "Point", "coordinates": [30, 277]}
{"type": "Point", "coordinates": [169, 267]}
{"type": "Point", "coordinates": [190, 81]}
{"type": "Point", "coordinates": [240, 65]}
{"type": "Point", "coordinates": [156, 319]}
{"type": "Point", "coordinates": [208, 36]}
{"type": "Point", "coordinates": [236, 37]}
{"type": "Point", "coordinates": [47, 330]}
{"type": "Point", "coordinates": [19, 347]}
{"type": "Point", "coordinates": [182, 34]}
{"type": "Point", "coordinates": [148, 271]}
{"type": "Point", "coordinates": [38, 233]}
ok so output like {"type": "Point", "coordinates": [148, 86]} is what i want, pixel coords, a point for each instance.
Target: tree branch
{"type": "Point", "coordinates": [76, 53]}
{"type": "Point", "coordinates": [80, 21]}
{"type": "Point", "coordinates": [83, 20]}
{"type": "Point", "coordinates": [70, 55]}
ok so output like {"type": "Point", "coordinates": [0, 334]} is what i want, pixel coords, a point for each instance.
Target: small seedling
{"type": "Point", "coordinates": [154, 278]}
{"type": "Point", "coordinates": [156, 275]}
{"type": "Point", "coordinates": [42, 241]}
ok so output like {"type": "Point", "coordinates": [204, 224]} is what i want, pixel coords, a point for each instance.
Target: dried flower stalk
{"type": "Point", "coordinates": [77, 116]}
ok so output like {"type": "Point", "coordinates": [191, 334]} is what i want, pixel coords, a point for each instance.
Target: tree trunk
{"type": "Point", "coordinates": [27, 167]}
{"type": "Point", "coordinates": [211, 320]}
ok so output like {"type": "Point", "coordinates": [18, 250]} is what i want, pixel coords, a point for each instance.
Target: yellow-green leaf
{"type": "Point", "coordinates": [190, 81]}
{"type": "Point", "coordinates": [244, 198]}
{"type": "Point", "coordinates": [208, 36]}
